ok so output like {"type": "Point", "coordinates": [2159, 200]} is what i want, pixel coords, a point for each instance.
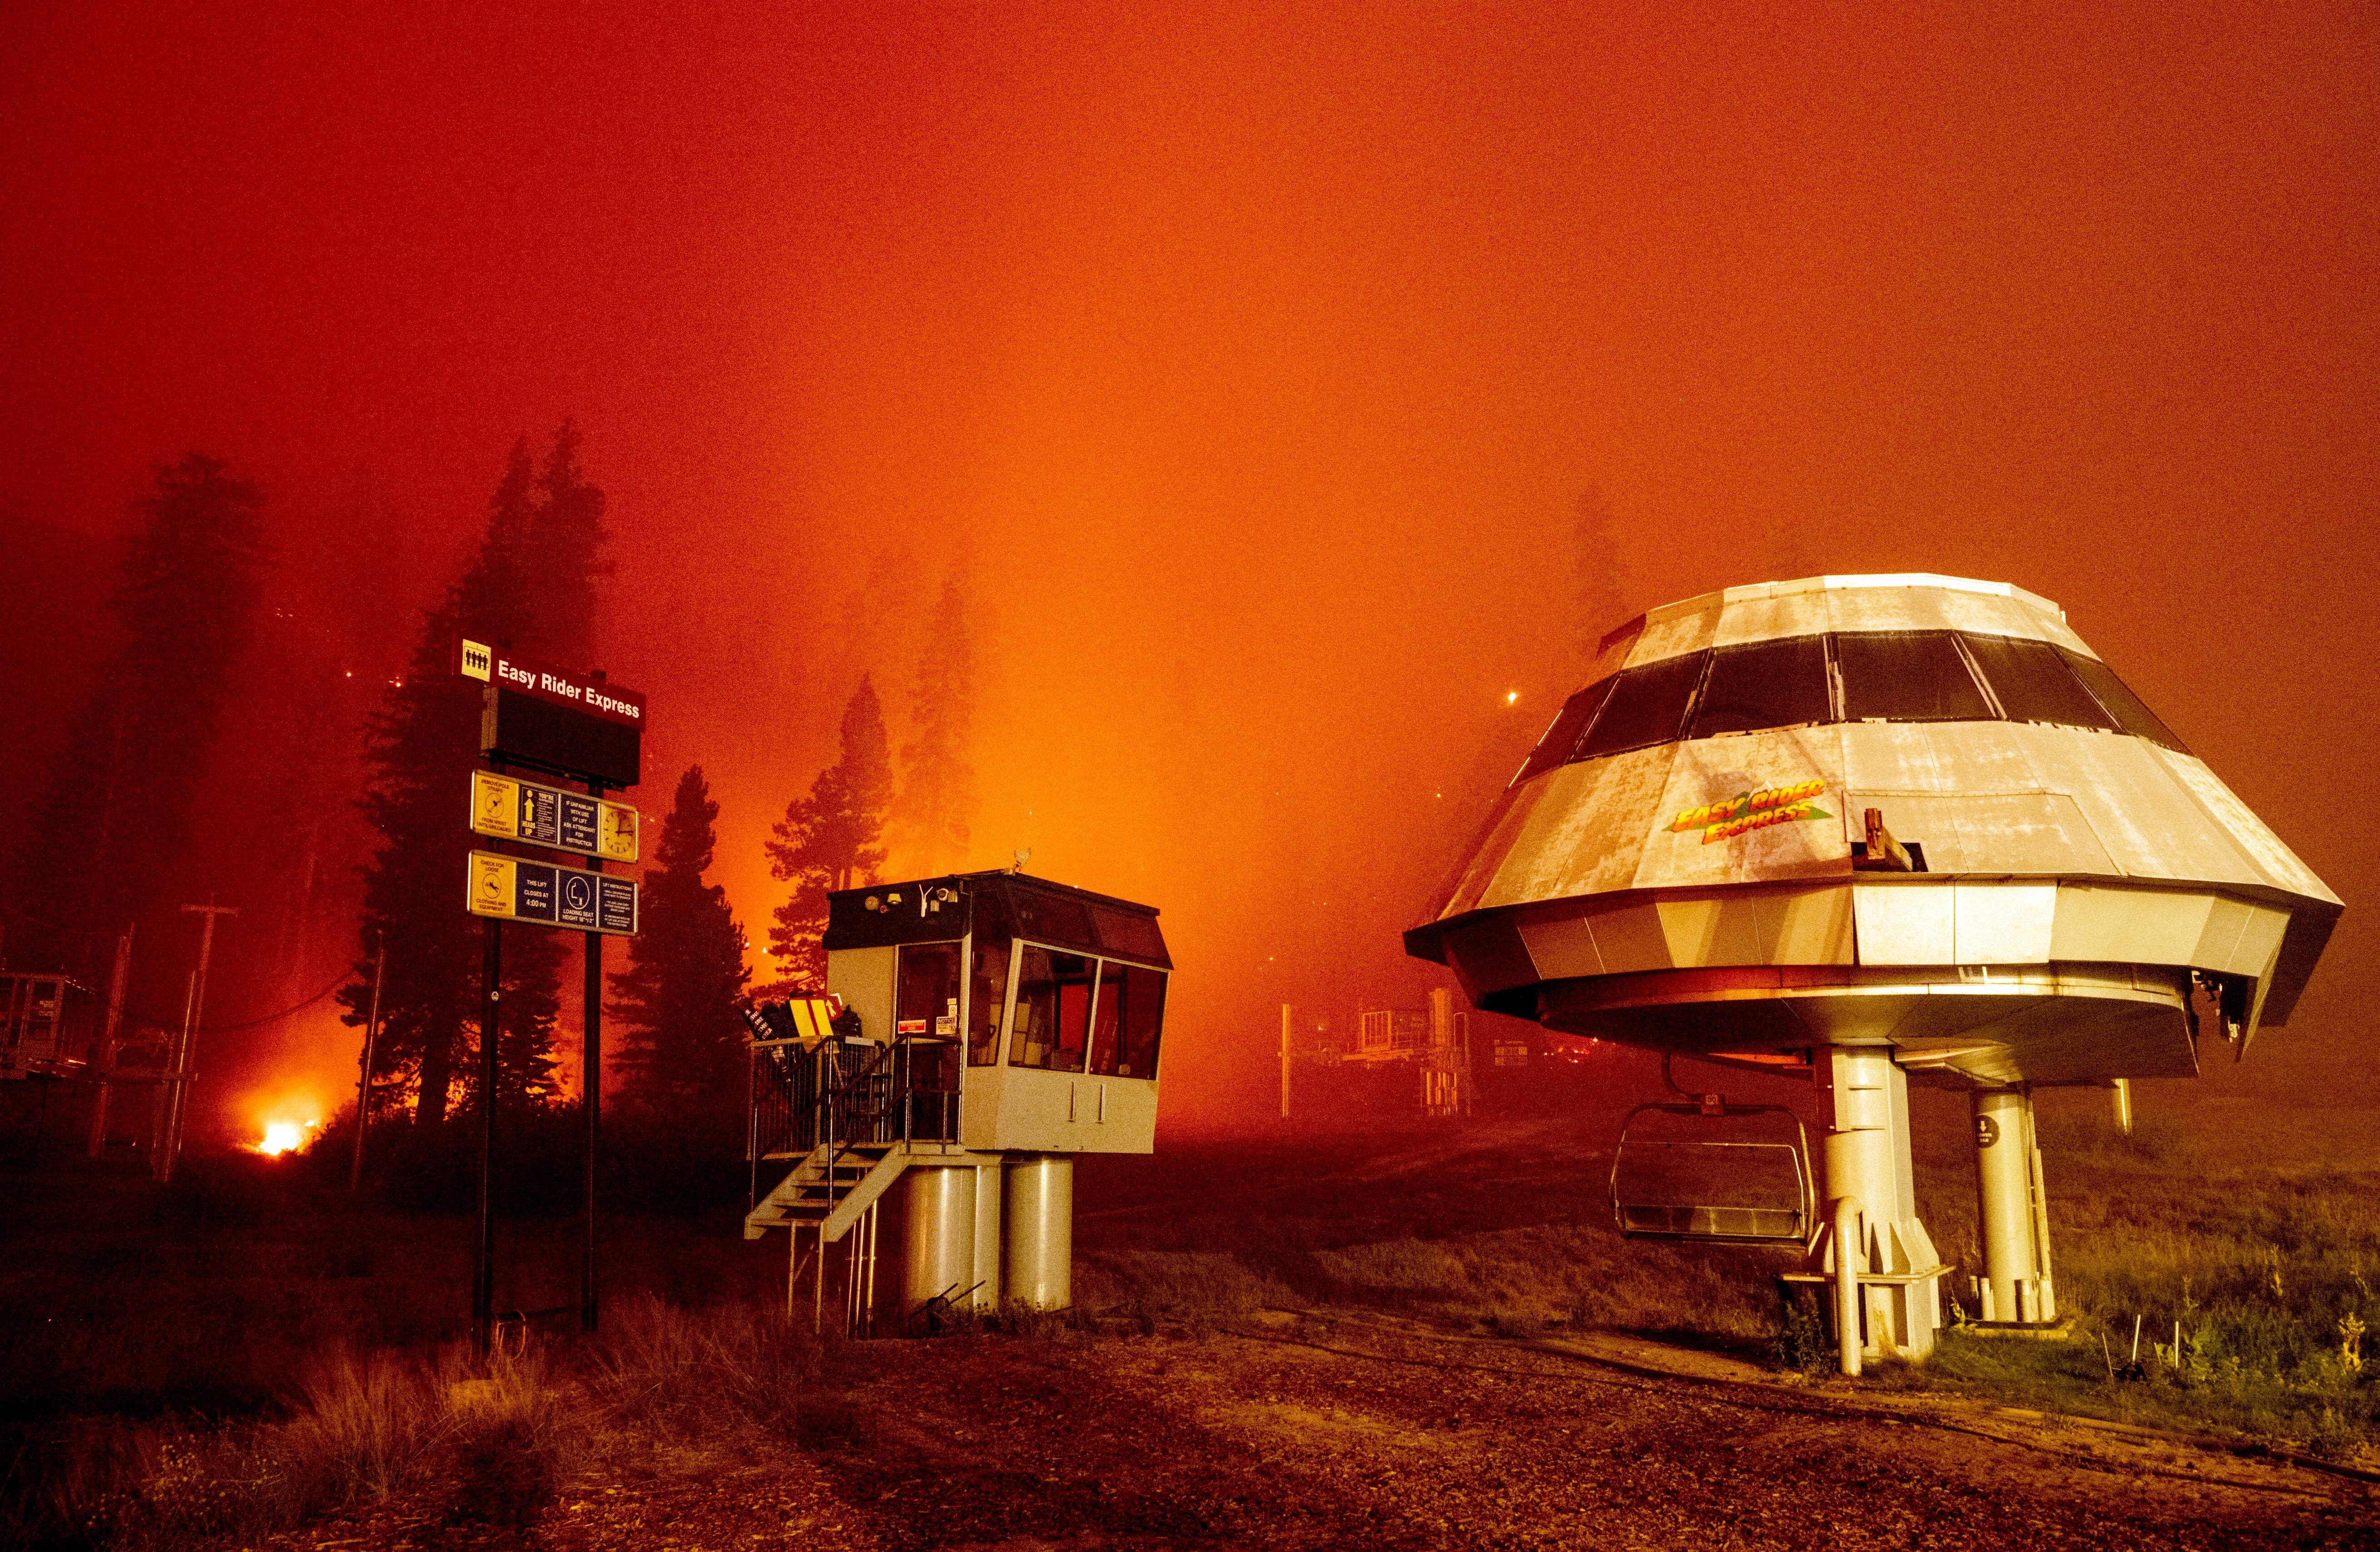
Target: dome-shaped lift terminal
{"type": "Point", "coordinates": [981, 1029]}
{"type": "Point", "coordinates": [1871, 828]}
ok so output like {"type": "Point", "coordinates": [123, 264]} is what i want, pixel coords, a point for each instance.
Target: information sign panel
{"type": "Point", "coordinates": [514, 888]}
{"type": "Point", "coordinates": [543, 816]}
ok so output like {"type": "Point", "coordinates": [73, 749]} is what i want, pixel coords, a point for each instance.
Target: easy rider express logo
{"type": "Point", "coordinates": [1730, 818]}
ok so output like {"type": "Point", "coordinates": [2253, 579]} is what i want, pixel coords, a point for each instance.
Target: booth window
{"type": "Point", "coordinates": [926, 1010]}
{"type": "Point", "coordinates": [1763, 685]}
{"type": "Point", "coordinates": [1907, 676]}
{"type": "Point", "coordinates": [2130, 714]}
{"type": "Point", "coordinates": [1103, 1019]}
{"type": "Point", "coordinates": [2034, 684]}
{"type": "Point", "coordinates": [1053, 1009]}
{"type": "Point", "coordinates": [987, 993]}
{"type": "Point", "coordinates": [1140, 1013]}
{"type": "Point", "coordinates": [1555, 747]}
{"type": "Point", "coordinates": [1646, 706]}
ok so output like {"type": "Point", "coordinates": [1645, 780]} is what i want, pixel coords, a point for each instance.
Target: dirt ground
{"type": "Point", "coordinates": [1367, 1432]}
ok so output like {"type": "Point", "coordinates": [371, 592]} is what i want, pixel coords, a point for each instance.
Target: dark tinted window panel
{"type": "Point", "coordinates": [1908, 677]}
{"type": "Point", "coordinates": [1140, 1016]}
{"type": "Point", "coordinates": [1765, 685]}
{"type": "Point", "coordinates": [1051, 917]}
{"type": "Point", "coordinates": [1647, 706]}
{"type": "Point", "coordinates": [1131, 934]}
{"type": "Point", "coordinates": [1555, 747]}
{"type": "Point", "coordinates": [2130, 714]}
{"type": "Point", "coordinates": [2034, 684]}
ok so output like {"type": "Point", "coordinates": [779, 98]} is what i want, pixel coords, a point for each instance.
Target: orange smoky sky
{"type": "Point", "coordinates": [1250, 364]}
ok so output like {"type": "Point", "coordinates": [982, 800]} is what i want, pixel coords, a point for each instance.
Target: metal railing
{"type": "Point", "coordinates": [843, 1093]}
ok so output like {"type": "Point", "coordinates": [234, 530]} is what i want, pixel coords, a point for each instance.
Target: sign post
{"type": "Point", "coordinates": [581, 728]}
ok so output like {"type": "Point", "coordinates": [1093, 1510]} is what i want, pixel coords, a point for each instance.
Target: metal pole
{"type": "Point", "coordinates": [483, 1269]}
{"type": "Point", "coordinates": [590, 1086]}
{"type": "Point", "coordinates": [1287, 1014]}
{"type": "Point", "coordinates": [1851, 1256]}
{"type": "Point", "coordinates": [106, 1055]}
{"type": "Point", "coordinates": [191, 1020]}
{"type": "Point", "coordinates": [364, 1078]}
{"type": "Point", "coordinates": [161, 1109]}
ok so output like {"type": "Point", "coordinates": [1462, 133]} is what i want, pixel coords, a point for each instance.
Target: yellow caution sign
{"type": "Point", "coordinates": [495, 805]}
{"type": "Point", "coordinates": [491, 880]}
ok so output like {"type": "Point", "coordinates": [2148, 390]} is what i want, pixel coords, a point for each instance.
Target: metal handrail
{"type": "Point", "coordinates": [841, 1094]}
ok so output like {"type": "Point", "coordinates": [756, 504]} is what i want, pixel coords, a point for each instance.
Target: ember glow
{"type": "Point", "coordinates": [286, 1136]}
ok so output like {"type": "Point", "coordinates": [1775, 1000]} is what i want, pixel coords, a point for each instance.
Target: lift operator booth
{"type": "Point", "coordinates": [981, 1029]}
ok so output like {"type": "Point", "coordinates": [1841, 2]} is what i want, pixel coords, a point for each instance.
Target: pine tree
{"type": "Point", "coordinates": [119, 812]}
{"type": "Point", "coordinates": [680, 1052]}
{"type": "Point", "coordinates": [933, 817]}
{"type": "Point", "coordinates": [529, 584]}
{"type": "Point", "coordinates": [831, 840]}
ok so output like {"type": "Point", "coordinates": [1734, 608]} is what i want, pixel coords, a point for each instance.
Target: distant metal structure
{"type": "Point", "coordinates": [984, 1029]}
{"type": "Point", "coordinates": [49, 1026]}
{"type": "Point", "coordinates": [1871, 827]}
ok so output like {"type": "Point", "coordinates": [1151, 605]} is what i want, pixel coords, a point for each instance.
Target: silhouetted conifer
{"type": "Point", "coordinates": [530, 586]}
{"type": "Point", "coordinates": [831, 840]}
{"type": "Point", "coordinates": [680, 1052]}
{"type": "Point", "coordinates": [933, 817]}
{"type": "Point", "coordinates": [117, 815]}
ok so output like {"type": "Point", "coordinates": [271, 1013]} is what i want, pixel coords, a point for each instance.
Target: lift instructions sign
{"type": "Point", "coordinates": [543, 816]}
{"type": "Point", "coordinates": [514, 888]}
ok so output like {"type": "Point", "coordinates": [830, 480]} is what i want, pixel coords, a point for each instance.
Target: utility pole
{"type": "Point", "coordinates": [106, 1060]}
{"type": "Point", "coordinates": [186, 1055]}
{"type": "Point", "coordinates": [363, 1079]}
{"type": "Point", "coordinates": [1287, 1015]}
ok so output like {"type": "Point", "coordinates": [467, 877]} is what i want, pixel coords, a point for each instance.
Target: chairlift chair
{"type": "Point", "coordinates": [1746, 1180]}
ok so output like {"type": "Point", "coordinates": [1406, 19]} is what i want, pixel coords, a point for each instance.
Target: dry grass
{"type": "Point", "coordinates": [487, 1441]}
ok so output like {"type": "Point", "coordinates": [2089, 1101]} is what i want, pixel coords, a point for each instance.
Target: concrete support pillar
{"type": "Point", "coordinates": [1040, 1189]}
{"type": "Point", "coordinates": [1860, 1148]}
{"type": "Point", "coordinates": [2011, 1209]}
{"type": "Point", "coordinates": [938, 1249]}
{"type": "Point", "coordinates": [1867, 1160]}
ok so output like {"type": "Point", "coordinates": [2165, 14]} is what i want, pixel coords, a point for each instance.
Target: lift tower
{"type": "Point", "coordinates": [1891, 827]}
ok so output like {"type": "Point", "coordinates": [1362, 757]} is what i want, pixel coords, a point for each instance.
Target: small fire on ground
{"type": "Point", "coordinates": [286, 1136]}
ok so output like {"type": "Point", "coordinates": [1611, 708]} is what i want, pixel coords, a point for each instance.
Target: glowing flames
{"type": "Point", "coordinates": [286, 1136]}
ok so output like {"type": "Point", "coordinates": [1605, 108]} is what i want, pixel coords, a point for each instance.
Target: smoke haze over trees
{"type": "Point", "coordinates": [831, 840]}
{"type": "Point", "coordinates": [115, 821]}
{"type": "Point", "coordinates": [933, 816]}
{"type": "Point", "coordinates": [1259, 382]}
{"type": "Point", "coordinates": [680, 1051]}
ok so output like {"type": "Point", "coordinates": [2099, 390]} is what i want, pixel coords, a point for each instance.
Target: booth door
{"type": "Point", "coordinates": [926, 1017]}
